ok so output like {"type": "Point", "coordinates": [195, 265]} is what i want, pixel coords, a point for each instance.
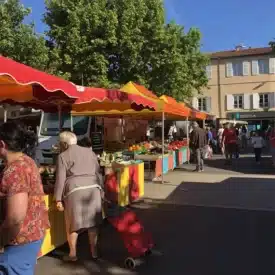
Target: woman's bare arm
{"type": "Point", "coordinates": [16, 210]}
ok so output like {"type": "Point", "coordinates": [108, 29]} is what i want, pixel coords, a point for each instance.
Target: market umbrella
{"type": "Point", "coordinates": [99, 101]}
{"type": "Point", "coordinates": [195, 113]}
{"type": "Point", "coordinates": [21, 84]}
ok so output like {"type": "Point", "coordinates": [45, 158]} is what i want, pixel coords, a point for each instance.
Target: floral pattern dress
{"type": "Point", "coordinates": [22, 176]}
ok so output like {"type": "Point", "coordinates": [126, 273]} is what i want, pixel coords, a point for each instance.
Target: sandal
{"type": "Point", "coordinates": [68, 258]}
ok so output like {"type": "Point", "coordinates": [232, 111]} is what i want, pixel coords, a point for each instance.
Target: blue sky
{"type": "Point", "coordinates": [223, 23]}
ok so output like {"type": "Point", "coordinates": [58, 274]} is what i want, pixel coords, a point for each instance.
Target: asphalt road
{"type": "Point", "coordinates": [191, 240]}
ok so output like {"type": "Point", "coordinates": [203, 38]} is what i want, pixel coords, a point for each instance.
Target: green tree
{"type": "Point", "coordinates": [179, 69]}
{"type": "Point", "coordinates": [83, 32]}
{"type": "Point", "coordinates": [18, 40]}
{"type": "Point", "coordinates": [111, 42]}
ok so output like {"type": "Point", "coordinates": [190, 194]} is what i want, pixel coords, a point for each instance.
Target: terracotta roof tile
{"type": "Point", "coordinates": [241, 52]}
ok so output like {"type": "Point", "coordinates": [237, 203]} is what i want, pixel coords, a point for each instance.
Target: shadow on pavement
{"type": "Point", "coordinates": [200, 229]}
{"type": "Point", "coordinates": [245, 165]}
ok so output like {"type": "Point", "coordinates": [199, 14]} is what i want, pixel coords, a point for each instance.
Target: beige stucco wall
{"type": "Point", "coordinates": [263, 83]}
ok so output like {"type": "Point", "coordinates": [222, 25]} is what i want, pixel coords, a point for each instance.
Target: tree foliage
{"type": "Point", "coordinates": [111, 42]}
{"type": "Point", "coordinates": [107, 43]}
{"type": "Point", "coordinates": [18, 40]}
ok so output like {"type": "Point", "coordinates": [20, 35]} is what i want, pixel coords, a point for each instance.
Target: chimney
{"type": "Point", "coordinates": [239, 47]}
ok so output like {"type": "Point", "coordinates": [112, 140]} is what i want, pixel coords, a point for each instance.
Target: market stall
{"type": "Point", "coordinates": [23, 85]}
{"type": "Point", "coordinates": [26, 86]}
{"type": "Point", "coordinates": [129, 173]}
{"type": "Point", "coordinates": [161, 160]}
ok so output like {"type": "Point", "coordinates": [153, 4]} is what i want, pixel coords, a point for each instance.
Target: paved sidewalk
{"type": "Point", "coordinates": [215, 222]}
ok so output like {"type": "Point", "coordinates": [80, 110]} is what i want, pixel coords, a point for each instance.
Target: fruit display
{"type": "Point", "coordinates": [141, 148]}
{"type": "Point", "coordinates": [175, 145]}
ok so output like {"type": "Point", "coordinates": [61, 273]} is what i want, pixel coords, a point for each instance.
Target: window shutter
{"type": "Point", "coordinates": [272, 65]}
{"type": "Point", "coordinates": [246, 101]}
{"type": "Point", "coordinates": [195, 102]}
{"type": "Point", "coordinates": [208, 104]}
{"type": "Point", "coordinates": [255, 67]}
{"type": "Point", "coordinates": [255, 101]}
{"type": "Point", "coordinates": [229, 69]}
{"type": "Point", "coordinates": [229, 102]}
{"type": "Point", "coordinates": [271, 100]}
{"type": "Point", "coordinates": [245, 68]}
{"type": "Point", "coordinates": [209, 71]}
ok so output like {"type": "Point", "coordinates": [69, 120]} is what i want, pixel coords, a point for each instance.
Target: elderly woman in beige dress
{"type": "Point", "coordinates": [78, 192]}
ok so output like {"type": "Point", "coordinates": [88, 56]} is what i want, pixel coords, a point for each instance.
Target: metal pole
{"type": "Point", "coordinates": [60, 117]}
{"type": "Point", "coordinates": [162, 174]}
{"type": "Point", "coordinates": [72, 124]}
{"type": "Point", "coordinates": [5, 115]}
{"type": "Point", "coordinates": [187, 136]}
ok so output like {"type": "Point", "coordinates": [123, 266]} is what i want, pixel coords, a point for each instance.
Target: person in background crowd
{"type": "Point", "coordinates": [209, 136]}
{"type": "Point", "coordinates": [172, 132]}
{"type": "Point", "coordinates": [229, 142]}
{"type": "Point", "coordinates": [219, 137]}
{"type": "Point", "coordinates": [243, 133]}
{"type": "Point", "coordinates": [198, 140]}
{"type": "Point", "coordinates": [23, 214]}
{"type": "Point", "coordinates": [78, 192]}
{"type": "Point", "coordinates": [258, 143]}
{"type": "Point", "coordinates": [214, 139]}
{"type": "Point", "coordinates": [272, 145]}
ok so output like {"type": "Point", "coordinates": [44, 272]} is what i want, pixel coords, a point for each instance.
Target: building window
{"type": "Point", "coordinates": [208, 70]}
{"type": "Point", "coordinates": [237, 68]}
{"type": "Point", "coordinates": [263, 100]}
{"type": "Point", "coordinates": [238, 102]}
{"type": "Point", "coordinates": [263, 66]}
{"type": "Point", "coordinates": [202, 104]}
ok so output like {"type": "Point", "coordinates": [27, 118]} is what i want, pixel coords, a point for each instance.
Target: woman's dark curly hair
{"type": "Point", "coordinates": [18, 138]}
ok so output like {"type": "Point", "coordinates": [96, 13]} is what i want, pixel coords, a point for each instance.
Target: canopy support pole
{"type": "Point", "coordinates": [187, 136]}
{"type": "Point", "coordinates": [5, 115]}
{"type": "Point", "coordinates": [162, 133]}
{"type": "Point", "coordinates": [60, 117]}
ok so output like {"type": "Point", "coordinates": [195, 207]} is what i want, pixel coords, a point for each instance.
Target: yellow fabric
{"type": "Point", "coordinates": [130, 88]}
{"type": "Point", "coordinates": [141, 179]}
{"type": "Point", "coordinates": [56, 235]}
{"type": "Point", "coordinates": [123, 183]}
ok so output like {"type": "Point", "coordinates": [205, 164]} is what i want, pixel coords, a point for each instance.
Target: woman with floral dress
{"type": "Point", "coordinates": [24, 217]}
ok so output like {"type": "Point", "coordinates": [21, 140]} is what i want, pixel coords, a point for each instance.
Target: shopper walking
{"type": "Point", "coordinates": [78, 192]}
{"type": "Point", "coordinates": [258, 144]}
{"type": "Point", "coordinates": [198, 140]}
{"type": "Point", "coordinates": [219, 138]}
{"type": "Point", "coordinates": [272, 145]}
{"type": "Point", "coordinates": [229, 141]}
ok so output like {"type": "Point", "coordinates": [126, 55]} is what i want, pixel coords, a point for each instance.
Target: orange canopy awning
{"type": "Point", "coordinates": [172, 109]}
{"type": "Point", "coordinates": [194, 113]}
{"type": "Point", "coordinates": [101, 101]}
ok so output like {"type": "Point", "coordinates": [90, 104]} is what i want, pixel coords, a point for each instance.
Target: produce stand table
{"type": "Point", "coordinates": [130, 187]}
{"type": "Point", "coordinates": [181, 156]}
{"type": "Point", "coordinates": [159, 166]}
{"type": "Point", "coordinates": [56, 235]}
{"type": "Point", "coordinates": [129, 182]}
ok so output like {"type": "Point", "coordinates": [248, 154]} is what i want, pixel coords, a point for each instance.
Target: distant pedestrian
{"type": "Point", "coordinates": [172, 132]}
{"type": "Point", "coordinates": [258, 144]}
{"type": "Point", "coordinates": [229, 142]}
{"type": "Point", "coordinates": [198, 141]}
{"type": "Point", "coordinates": [244, 132]}
{"type": "Point", "coordinates": [219, 138]}
{"type": "Point", "coordinates": [272, 145]}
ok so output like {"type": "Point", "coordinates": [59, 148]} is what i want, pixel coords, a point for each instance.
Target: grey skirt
{"type": "Point", "coordinates": [83, 209]}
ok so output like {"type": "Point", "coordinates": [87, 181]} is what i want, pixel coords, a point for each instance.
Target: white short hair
{"type": "Point", "coordinates": [68, 137]}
